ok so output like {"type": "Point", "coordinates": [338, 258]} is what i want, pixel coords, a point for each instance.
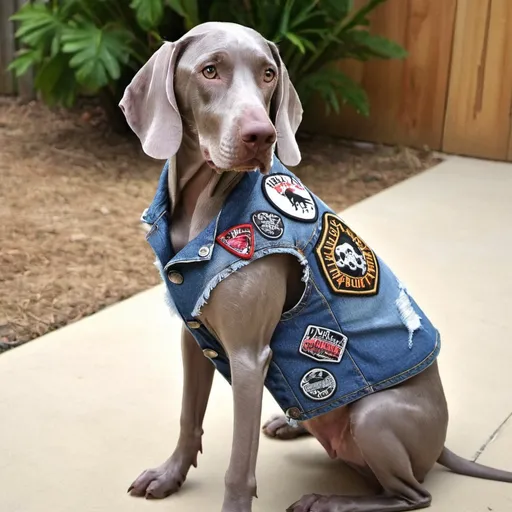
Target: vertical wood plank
{"type": "Point", "coordinates": [425, 74]}
{"type": "Point", "coordinates": [480, 92]}
{"type": "Point", "coordinates": [25, 83]}
{"type": "Point", "coordinates": [510, 139]}
{"type": "Point", "coordinates": [509, 156]}
{"type": "Point", "coordinates": [407, 97]}
{"type": "Point", "coordinates": [6, 46]}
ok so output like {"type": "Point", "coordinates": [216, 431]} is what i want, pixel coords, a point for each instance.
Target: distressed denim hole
{"type": "Point", "coordinates": [408, 314]}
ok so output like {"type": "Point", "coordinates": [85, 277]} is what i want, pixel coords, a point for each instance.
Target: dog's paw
{"type": "Point", "coordinates": [278, 427]}
{"type": "Point", "coordinates": [158, 483]}
{"type": "Point", "coordinates": [306, 503]}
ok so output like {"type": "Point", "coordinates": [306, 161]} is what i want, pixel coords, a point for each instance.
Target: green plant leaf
{"type": "Point", "coordinates": [55, 44]}
{"type": "Point", "coordinates": [332, 84]}
{"type": "Point", "coordinates": [297, 41]}
{"type": "Point", "coordinates": [267, 16]}
{"type": "Point", "coordinates": [100, 44]}
{"type": "Point", "coordinates": [50, 73]}
{"type": "Point", "coordinates": [148, 12]}
{"type": "Point", "coordinates": [56, 81]}
{"type": "Point", "coordinates": [359, 17]}
{"type": "Point", "coordinates": [38, 24]}
{"type": "Point", "coordinates": [70, 7]}
{"type": "Point", "coordinates": [96, 53]}
{"type": "Point", "coordinates": [26, 59]}
{"type": "Point", "coordinates": [337, 9]}
{"type": "Point", "coordinates": [308, 12]}
{"type": "Point", "coordinates": [285, 16]}
{"type": "Point", "coordinates": [378, 46]}
{"type": "Point", "coordinates": [187, 9]}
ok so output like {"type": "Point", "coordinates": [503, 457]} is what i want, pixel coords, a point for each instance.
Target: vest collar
{"type": "Point", "coordinates": [202, 246]}
{"type": "Point", "coordinates": [160, 201]}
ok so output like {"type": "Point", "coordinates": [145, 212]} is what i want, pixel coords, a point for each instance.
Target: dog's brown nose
{"type": "Point", "coordinates": [256, 130]}
{"type": "Point", "coordinates": [259, 135]}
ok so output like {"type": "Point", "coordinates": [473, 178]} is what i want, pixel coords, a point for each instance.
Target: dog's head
{"type": "Point", "coordinates": [231, 90]}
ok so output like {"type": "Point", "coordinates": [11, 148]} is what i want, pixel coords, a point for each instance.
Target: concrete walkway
{"type": "Point", "coordinates": [83, 410]}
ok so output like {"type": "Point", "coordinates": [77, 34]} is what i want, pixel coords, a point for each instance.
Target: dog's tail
{"type": "Point", "coordinates": [465, 467]}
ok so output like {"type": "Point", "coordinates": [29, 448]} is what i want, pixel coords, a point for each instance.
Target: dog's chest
{"type": "Point", "coordinates": [184, 228]}
{"type": "Point", "coordinates": [179, 234]}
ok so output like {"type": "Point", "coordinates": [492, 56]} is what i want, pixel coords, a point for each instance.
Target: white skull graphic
{"type": "Point", "coordinates": [347, 257]}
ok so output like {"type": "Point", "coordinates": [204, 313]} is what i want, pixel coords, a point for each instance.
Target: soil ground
{"type": "Point", "coordinates": [71, 194]}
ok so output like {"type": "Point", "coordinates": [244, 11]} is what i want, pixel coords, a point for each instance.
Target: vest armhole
{"type": "Point", "coordinates": [237, 265]}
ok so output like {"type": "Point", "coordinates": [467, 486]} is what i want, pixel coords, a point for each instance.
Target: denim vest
{"type": "Point", "coordinates": [356, 330]}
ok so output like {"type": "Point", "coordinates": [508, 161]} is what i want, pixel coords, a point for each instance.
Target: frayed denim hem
{"type": "Point", "coordinates": [203, 300]}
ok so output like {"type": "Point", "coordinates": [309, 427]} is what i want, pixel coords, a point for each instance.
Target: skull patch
{"type": "Point", "coordinates": [350, 258]}
{"type": "Point", "coordinates": [348, 264]}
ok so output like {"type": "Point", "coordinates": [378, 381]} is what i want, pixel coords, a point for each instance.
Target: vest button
{"type": "Point", "coordinates": [294, 413]}
{"type": "Point", "coordinates": [175, 277]}
{"type": "Point", "coordinates": [204, 251]}
{"type": "Point", "coordinates": [209, 353]}
{"type": "Point", "coordinates": [193, 324]}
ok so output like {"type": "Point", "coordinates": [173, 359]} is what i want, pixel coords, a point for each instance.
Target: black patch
{"type": "Point", "coordinates": [318, 384]}
{"type": "Point", "coordinates": [290, 197]}
{"type": "Point", "coordinates": [348, 264]}
{"type": "Point", "coordinates": [322, 344]}
{"type": "Point", "coordinates": [269, 224]}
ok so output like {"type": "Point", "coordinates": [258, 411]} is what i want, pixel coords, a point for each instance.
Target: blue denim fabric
{"type": "Point", "coordinates": [382, 349]}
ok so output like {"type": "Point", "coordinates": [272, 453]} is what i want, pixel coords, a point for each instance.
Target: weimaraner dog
{"type": "Point", "coordinates": [216, 104]}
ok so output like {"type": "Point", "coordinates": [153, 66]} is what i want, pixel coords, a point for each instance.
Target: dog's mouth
{"type": "Point", "coordinates": [252, 164]}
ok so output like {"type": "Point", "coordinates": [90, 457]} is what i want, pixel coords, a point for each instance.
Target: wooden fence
{"type": "Point", "coordinates": [8, 84]}
{"type": "Point", "coordinates": [453, 93]}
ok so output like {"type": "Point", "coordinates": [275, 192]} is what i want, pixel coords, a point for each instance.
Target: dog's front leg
{"type": "Point", "coordinates": [248, 371]}
{"type": "Point", "coordinates": [244, 311]}
{"type": "Point", "coordinates": [197, 382]}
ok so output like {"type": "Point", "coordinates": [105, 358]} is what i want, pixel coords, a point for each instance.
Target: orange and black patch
{"type": "Point", "coordinates": [348, 264]}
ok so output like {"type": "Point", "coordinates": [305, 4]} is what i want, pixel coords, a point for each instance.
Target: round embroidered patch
{"type": "Point", "coordinates": [318, 384]}
{"type": "Point", "coordinates": [238, 240]}
{"type": "Point", "coordinates": [348, 264]}
{"type": "Point", "coordinates": [269, 224]}
{"type": "Point", "coordinates": [290, 197]}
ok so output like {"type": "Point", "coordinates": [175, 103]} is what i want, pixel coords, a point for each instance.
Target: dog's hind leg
{"type": "Point", "coordinates": [400, 434]}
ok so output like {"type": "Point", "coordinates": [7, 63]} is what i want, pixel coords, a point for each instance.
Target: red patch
{"type": "Point", "coordinates": [283, 187]}
{"type": "Point", "coordinates": [238, 240]}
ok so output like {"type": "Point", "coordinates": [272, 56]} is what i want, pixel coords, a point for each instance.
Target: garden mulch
{"type": "Point", "coordinates": [71, 194]}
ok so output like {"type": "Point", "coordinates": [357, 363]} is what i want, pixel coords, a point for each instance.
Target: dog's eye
{"type": "Point", "coordinates": [270, 74]}
{"type": "Point", "coordinates": [210, 72]}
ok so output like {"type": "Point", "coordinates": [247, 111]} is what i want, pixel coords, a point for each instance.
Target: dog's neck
{"type": "Point", "coordinates": [197, 192]}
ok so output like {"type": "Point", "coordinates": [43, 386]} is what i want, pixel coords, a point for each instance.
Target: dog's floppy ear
{"type": "Point", "coordinates": [149, 104]}
{"type": "Point", "coordinates": [286, 111]}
